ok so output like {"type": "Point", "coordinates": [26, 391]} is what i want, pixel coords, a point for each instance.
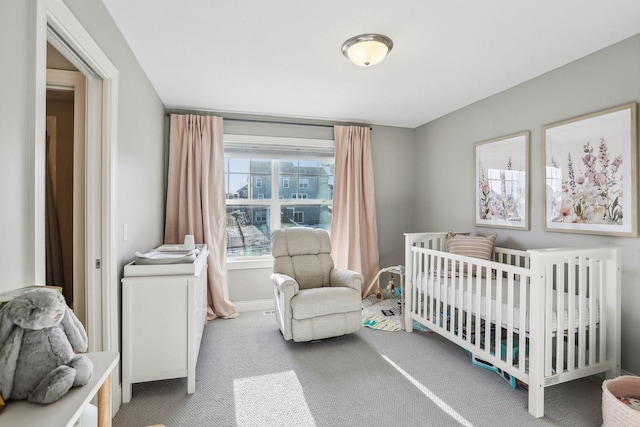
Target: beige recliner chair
{"type": "Point", "coordinates": [313, 299]}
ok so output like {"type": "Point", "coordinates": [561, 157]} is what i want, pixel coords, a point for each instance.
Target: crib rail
{"type": "Point", "coordinates": [463, 300]}
{"type": "Point", "coordinates": [584, 281]}
{"type": "Point", "coordinates": [543, 316]}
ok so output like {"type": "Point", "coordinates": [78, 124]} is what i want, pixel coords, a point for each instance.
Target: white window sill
{"type": "Point", "coordinates": [249, 263]}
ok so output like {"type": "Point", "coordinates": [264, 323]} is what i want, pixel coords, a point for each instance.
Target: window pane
{"type": "Point", "coordinates": [248, 230]}
{"type": "Point", "coordinates": [325, 188]}
{"type": "Point", "coordinates": [239, 172]}
{"type": "Point", "coordinates": [316, 216]}
{"type": "Point", "coordinates": [237, 185]}
{"type": "Point", "coordinates": [261, 166]}
{"type": "Point", "coordinates": [288, 186]}
{"type": "Point", "coordinates": [305, 179]}
{"type": "Point", "coordinates": [288, 166]}
{"type": "Point", "coordinates": [307, 167]}
{"type": "Point", "coordinates": [238, 165]}
{"type": "Point", "coordinates": [261, 186]}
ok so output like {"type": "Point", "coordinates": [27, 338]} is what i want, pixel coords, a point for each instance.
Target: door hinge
{"type": "Point", "coordinates": [98, 263]}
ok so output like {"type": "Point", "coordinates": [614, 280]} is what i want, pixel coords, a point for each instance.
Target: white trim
{"type": "Point", "coordinates": [259, 140]}
{"type": "Point", "coordinates": [247, 263]}
{"type": "Point", "coordinates": [93, 226]}
{"type": "Point", "coordinates": [255, 305]}
{"type": "Point", "coordinates": [69, 30]}
{"type": "Point", "coordinates": [37, 128]}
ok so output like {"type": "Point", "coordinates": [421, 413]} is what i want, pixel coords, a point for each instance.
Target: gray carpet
{"type": "Point", "coordinates": [247, 375]}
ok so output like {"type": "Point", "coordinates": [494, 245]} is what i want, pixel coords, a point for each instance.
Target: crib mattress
{"type": "Point", "coordinates": [452, 293]}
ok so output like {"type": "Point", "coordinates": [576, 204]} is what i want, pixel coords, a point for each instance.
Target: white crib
{"type": "Point", "coordinates": [543, 316]}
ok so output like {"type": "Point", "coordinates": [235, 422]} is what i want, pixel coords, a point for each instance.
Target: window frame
{"type": "Point", "coordinates": [275, 203]}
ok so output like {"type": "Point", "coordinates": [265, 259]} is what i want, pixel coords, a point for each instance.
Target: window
{"type": "Point", "coordinates": [263, 180]}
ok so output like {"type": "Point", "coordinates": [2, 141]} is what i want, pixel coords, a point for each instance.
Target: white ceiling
{"type": "Point", "coordinates": [282, 58]}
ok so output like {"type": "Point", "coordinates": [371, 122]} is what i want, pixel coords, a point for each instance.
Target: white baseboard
{"type": "Point", "coordinates": [623, 372]}
{"type": "Point", "coordinates": [255, 305]}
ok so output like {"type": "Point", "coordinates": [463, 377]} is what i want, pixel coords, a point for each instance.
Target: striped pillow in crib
{"type": "Point", "coordinates": [472, 246]}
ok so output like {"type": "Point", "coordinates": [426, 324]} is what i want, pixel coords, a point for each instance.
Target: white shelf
{"type": "Point", "coordinates": [67, 410]}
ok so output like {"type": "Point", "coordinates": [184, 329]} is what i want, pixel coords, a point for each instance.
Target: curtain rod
{"type": "Point", "coordinates": [276, 122]}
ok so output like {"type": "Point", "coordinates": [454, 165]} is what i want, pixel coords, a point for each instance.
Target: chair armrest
{"type": "Point", "coordinates": [285, 283]}
{"type": "Point", "coordinates": [346, 278]}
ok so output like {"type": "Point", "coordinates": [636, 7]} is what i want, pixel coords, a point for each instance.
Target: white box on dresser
{"type": "Point", "coordinates": [164, 310]}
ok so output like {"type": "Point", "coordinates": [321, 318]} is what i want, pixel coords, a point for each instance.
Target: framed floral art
{"type": "Point", "coordinates": [502, 182]}
{"type": "Point", "coordinates": [590, 173]}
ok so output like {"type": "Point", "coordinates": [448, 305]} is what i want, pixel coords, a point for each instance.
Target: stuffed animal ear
{"type": "Point", "coordinates": [6, 324]}
{"type": "Point", "coordinates": [75, 331]}
{"type": "Point", "coordinates": [9, 352]}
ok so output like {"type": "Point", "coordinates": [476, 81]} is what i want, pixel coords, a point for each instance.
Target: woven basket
{"type": "Point", "coordinates": [614, 412]}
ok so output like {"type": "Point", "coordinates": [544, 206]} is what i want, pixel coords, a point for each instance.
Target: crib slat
{"type": "Point", "coordinates": [571, 310]}
{"type": "Point", "coordinates": [547, 335]}
{"type": "Point", "coordinates": [442, 295]}
{"type": "Point", "coordinates": [498, 308]}
{"type": "Point", "coordinates": [603, 318]}
{"type": "Point", "coordinates": [582, 310]}
{"type": "Point", "coordinates": [414, 282]}
{"type": "Point", "coordinates": [594, 281]}
{"type": "Point", "coordinates": [426, 267]}
{"type": "Point", "coordinates": [510, 308]}
{"type": "Point", "coordinates": [475, 300]}
{"type": "Point", "coordinates": [525, 299]}
{"type": "Point", "coordinates": [487, 314]}
{"type": "Point", "coordinates": [561, 279]}
{"type": "Point", "coordinates": [432, 288]}
{"type": "Point", "coordinates": [459, 303]}
{"type": "Point", "coordinates": [417, 262]}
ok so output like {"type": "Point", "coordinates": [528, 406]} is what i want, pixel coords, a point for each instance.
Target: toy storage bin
{"type": "Point", "coordinates": [614, 412]}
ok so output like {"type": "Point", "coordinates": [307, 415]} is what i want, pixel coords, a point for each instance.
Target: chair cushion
{"type": "Point", "coordinates": [322, 301]}
{"type": "Point", "coordinates": [300, 241]}
{"type": "Point", "coordinates": [303, 254]}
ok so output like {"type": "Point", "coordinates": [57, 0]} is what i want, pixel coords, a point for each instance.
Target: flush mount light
{"type": "Point", "coordinates": [366, 50]}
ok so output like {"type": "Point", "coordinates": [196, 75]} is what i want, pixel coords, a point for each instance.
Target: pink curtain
{"type": "Point", "coordinates": [196, 199]}
{"type": "Point", "coordinates": [354, 228]}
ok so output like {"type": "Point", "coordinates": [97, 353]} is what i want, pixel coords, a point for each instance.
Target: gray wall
{"type": "Point", "coordinates": [141, 136]}
{"type": "Point", "coordinates": [140, 147]}
{"type": "Point", "coordinates": [15, 157]}
{"type": "Point", "coordinates": [445, 148]}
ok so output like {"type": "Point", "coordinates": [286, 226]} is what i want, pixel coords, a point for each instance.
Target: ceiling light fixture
{"type": "Point", "coordinates": [366, 50]}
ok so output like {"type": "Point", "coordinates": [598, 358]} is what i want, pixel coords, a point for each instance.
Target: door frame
{"type": "Point", "coordinates": [53, 21]}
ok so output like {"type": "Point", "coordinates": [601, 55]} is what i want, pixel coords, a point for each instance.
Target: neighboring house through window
{"type": "Point", "coordinates": [273, 183]}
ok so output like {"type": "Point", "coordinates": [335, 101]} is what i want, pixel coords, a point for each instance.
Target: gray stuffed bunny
{"type": "Point", "coordinates": [38, 337]}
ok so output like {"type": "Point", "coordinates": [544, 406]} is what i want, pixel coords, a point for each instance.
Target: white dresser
{"type": "Point", "coordinates": [164, 310]}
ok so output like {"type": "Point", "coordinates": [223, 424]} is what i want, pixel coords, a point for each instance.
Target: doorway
{"type": "Point", "coordinates": [65, 182]}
